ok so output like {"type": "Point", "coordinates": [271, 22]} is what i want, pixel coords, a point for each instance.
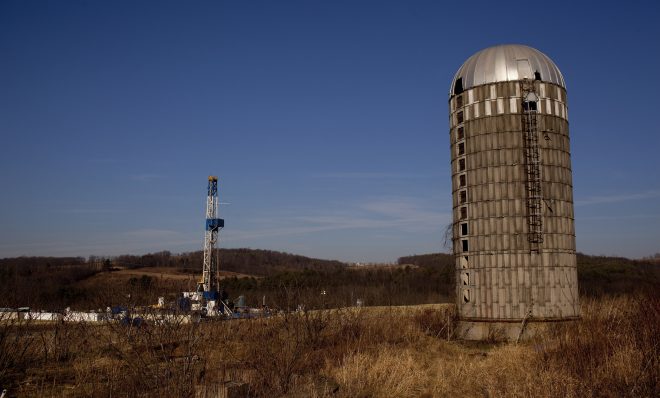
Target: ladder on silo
{"type": "Point", "coordinates": [532, 164]}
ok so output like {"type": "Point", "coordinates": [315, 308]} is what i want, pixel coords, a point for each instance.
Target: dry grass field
{"type": "Point", "coordinates": [357, 352]}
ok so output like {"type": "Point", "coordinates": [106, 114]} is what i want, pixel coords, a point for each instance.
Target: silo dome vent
{"type": "Point", "coordinates": [508, 62]}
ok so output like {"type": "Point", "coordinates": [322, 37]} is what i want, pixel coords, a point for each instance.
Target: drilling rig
{"type": "Point", "coordinates": [209, 282]}
{"type": "Point", "coordinates": [206, 298]}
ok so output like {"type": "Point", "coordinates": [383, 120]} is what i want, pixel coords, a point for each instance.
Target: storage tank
{"type": "Point", "coordinates": [513, 229]}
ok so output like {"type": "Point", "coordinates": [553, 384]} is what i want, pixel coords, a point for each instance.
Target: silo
{"type": "Point", "coordinates": [513, 229]}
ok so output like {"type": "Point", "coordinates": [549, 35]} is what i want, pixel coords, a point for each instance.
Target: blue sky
{"type": "Point", "coordinates": [326, 122]}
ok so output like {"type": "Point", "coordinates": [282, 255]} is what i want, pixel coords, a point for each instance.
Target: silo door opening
{"type": "Point", "coordinates": [529, 106]}
{"type": "Point", "coordinates": [465, 278]}
{"type": "Point", "coordinates": [529, 102]}
{"type": "Point", "coordinates": [466, 296]}
{"type": "Point", "coordinates": [463, 213]}
{"type": "Point", "coordinates": [464, 262]}
{"type": "Point", "coordinates": [458, 86]}
{"type": "Point", "coordinates": [464, 229]}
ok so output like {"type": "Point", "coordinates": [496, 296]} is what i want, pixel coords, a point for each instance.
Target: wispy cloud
{"type": "Point", "coordinates": [151, 233]}
{"type": "Point", "coordinates": [626, 217]}
{"type": "Point", "coordinates": [137, 241]}
{"type": "Point", "coordinates": [160, 237]}
{"type": "Point", "coordinates": [617, 198]}
{"type": "Point", "coordinates": [386, 213]}
{"type": "Point", "coordinates": [369, 175]}
{"type": "Point", "coordinates": [146, 177]}
{"type": "Point", "coordinates": [90, 210]}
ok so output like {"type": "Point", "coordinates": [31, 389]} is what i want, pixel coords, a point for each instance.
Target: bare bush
{"type": "Point", "coordinates": [15, 349]}
{"type": "Point", "coordinates": [163, 358]}
{"type": "Point", "coordinates": [438, 323]}
{"type": "Point", "coordinates": [614, 350]}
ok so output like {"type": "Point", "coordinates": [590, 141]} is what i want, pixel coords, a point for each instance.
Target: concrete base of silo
{"type": "Point", "coordinates": [504, 330]}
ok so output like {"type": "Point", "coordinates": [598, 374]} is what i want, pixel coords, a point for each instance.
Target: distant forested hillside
{"type": "Point", "coordinates": [41, 261]}
{"type": "Point", "coordinates": [597, 275]}
{"type": "Point", "coordinates": [246, 261]}
{"type": "Point", "coordinates": [286, 280]}
{"type": "Point", "coordinates": [429, 260]}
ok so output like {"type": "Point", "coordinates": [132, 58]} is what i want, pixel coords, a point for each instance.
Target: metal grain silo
{"type": "Point", "coordinates": [513, 230]}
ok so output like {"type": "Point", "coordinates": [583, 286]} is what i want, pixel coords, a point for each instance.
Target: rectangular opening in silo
{"type": "Point", "coordinates": [462, 180]}
{"type": "Point", "coordinates": [464, 261]}
{"type": "Point", "coordinates": [464, 229]}
{"type": "Point", "coordinates": [459, 117]}
{"type": "Point", "coordinates": [465, 278]}
{"type": "Point", "coordinates": [458, 86]}
{"type": "Point", "coordinates": [460, 133]}
{"type": "Point", "coordinates": [465, 245]}
{"type": "Point", "coordinates": [529, 106]}
{"type": "Point", "coordinates": [462, 195]}
{"type": "Point", "coordinates": [463, 213]}
{"type": "Point", "coordinates": [461, 148]}
{"type": "Point", "coordinates": [459, 101]}
{"type": "Point", "coordinates": [466, 295]}
{"type": "Point", "coordinates": [461, 164]}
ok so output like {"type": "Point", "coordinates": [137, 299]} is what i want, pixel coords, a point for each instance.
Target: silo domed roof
{"type": "Point", "coordinates": [506, 63]}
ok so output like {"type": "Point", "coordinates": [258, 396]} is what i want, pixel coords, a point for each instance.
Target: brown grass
{"type": "Point", "coordinates": [383, 371]}
{"type": "Point", "coordinates": [370, 352]}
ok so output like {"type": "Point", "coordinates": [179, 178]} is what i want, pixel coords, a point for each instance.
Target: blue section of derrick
{"type": "Point", "coordinates": [213, 224]}
{"type": "Point", "coordinates": [213, 188]}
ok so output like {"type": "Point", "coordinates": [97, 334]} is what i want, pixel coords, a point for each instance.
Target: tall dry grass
{"type": "Point", "coordinates": [613, 351]}
{"type": "Point", "coordinates": [383, 371]}
{"type": "Point", "coordinates": [370, 352]}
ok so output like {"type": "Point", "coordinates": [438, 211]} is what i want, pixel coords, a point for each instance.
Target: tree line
{"type": "Point", "coordinates": [247, 261]}
{"type": "Point", "coordinates": [286, 280]}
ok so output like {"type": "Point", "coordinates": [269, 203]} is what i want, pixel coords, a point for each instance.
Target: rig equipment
{"type": "Point", "coordinates": [208, 285]}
